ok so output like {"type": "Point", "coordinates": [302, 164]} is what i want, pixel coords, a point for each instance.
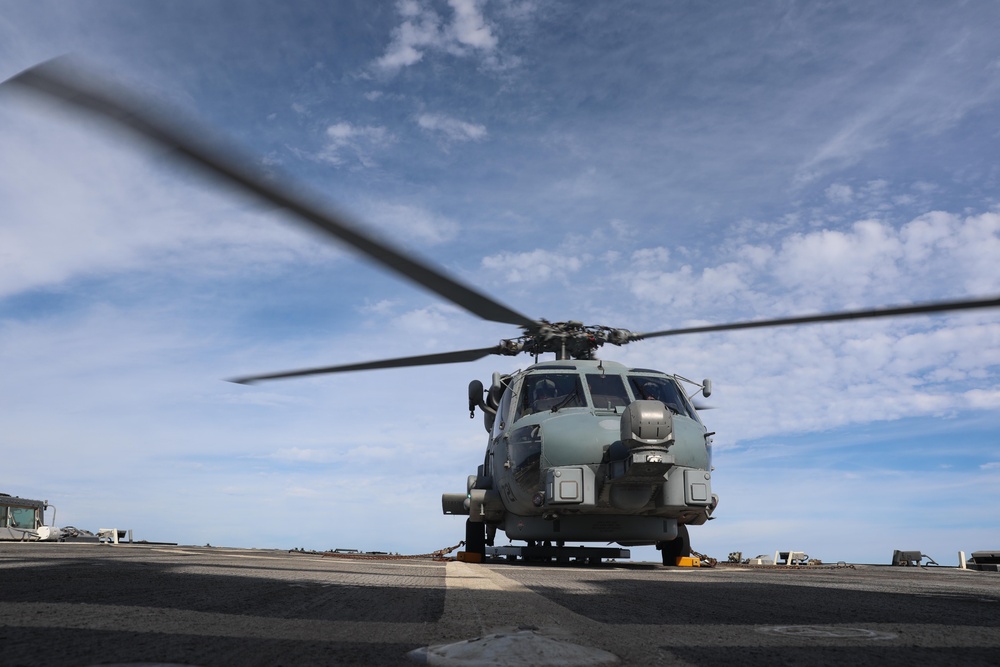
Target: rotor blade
{"type": "Point", "coordinates": [916, 309]}
{"type": "Point", "coordinates": [421, 360]}
{"type": "Point", "coordinates": [58, 81]}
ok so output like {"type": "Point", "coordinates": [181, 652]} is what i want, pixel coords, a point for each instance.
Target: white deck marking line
{"type": "Point", "coordinates": [471, 588]}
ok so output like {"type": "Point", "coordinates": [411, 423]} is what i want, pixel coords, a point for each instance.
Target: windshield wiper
{"type": "Point", "coordinates": [561, 404]}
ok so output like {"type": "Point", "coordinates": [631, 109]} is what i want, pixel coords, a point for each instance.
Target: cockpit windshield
{"type": "Point", "coordinates": [607, 391]}
{"type": "Point", "coordinates": [663, 389]}
{"type": "Point", "coordinates": [548, 391]}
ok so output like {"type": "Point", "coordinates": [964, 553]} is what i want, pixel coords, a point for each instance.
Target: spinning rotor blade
{"type": "Point", "coordinates": [58, 81]}
{"type": "Point", "coordinates": [934, 307]}
{"type": "Point", "coordinates": [421, 360]}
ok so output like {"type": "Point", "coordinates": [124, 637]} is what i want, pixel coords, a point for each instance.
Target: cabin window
{"type": "Point", "coordinates": [547, 391]}
{"type": "Point", "coordinates": [22, 517]}
{"type": "Point", "coordinates": [3, 516]}
{"type": "Point", "coordinates": [607, 391]}
{"type": "Point", "coordinates": [665, 390]}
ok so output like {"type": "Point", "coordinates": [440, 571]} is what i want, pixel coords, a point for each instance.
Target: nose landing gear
{"type": "Point", "coordinates": [679, 547]}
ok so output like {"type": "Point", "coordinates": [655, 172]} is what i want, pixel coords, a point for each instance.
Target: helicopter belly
{"type": "Point", "coordinates": [591, 528]}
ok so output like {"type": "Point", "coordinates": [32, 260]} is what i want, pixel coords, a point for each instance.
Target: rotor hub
{"type": "Point", "coordinates": [567, 340]}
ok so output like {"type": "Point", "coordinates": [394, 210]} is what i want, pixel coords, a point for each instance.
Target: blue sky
{"type": "Point", "coordinates": [642, 165]}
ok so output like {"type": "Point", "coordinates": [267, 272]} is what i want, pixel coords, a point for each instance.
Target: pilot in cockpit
{"type": "Point", "coordinates": [554, 392]}
{"type": "Point", "coordinates": [544, 395]}
{"type": "Point", "coordinates": [544, 389]}
{"type": "Point", "coordinates": [651, 392]}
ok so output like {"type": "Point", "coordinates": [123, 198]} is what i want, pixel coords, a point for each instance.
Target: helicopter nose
{"type": "Point", "coordinates": [646, 434]}
{"type": "Point", "coordinates": [647, 424]}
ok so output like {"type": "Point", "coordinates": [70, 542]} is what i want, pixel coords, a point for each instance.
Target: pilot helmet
{"type": "Point", "coordinates": [545, 389]}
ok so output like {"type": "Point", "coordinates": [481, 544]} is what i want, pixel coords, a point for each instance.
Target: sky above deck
{"type": "Point", "coordinates": [644, 165]}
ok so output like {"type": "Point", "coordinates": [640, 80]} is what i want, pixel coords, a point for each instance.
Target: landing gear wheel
{"type": "Point", "coordinates": [679, 547]}
{"type": "Point", "coordinates": [475, 537]}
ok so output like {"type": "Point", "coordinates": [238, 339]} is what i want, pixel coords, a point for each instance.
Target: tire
{"type": "Point", "coordinates": [680, 547]}
{"type": "Point", "coordinates": [475, 537]}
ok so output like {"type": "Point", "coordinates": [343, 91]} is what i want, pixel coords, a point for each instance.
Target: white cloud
{"type": "Point", "coordinates": [77, 202]}
{"type": "Point", "coordinates": [840, 193]}
{"type": "Point", "coordinates": [855, 261]}
{"type": "Point", "coordinates": [451, 128]}
{"type": "Point", "coordinates": [758, 256]}
{"type": "Point", "coordinates": [848, 373]}
{"type": "Point", "coordinates": [658, 256]}
{"type": "Point", "coordinates": [357, 141]}
{"type": "Point", "coordinates": [422, 30]}
{"type": "Point", "coordinates": [982, 399]}
{"type": "Point", "coordinates": [380, 307]}
{"type": "Point", "coordinates": [469, 27]}
{"type": "Point", "coordinates": [408, 222]}
{"type": "Point", "coordinates": [622, 229]}
{"type": "Point", "coordinates": [684, 286]}
{"type": "Point", "coordinates": [928, 233]}
{"type": "Point", "coordinates": [936, 255]}
{"type": "Point", "coordinates": [978, 250]}
{"type": "Point", "coordinates": [535, 265]}
{"type": "Point", "coordinates": [431, 321]}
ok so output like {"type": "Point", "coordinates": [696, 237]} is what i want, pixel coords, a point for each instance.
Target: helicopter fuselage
{"type": "Point", "coordinates": [589, 450]}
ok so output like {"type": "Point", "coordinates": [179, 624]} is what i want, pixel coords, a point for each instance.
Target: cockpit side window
{"type": "Point", "coordinates": [690, 407]}
{"type": "Point", "coordinates": [545, 391]}
{"type": "Point", "coordinates": [607, 391]}
{"type": "Point", "coordinates": [665, 390]}
{"type": "Point", "coordinates": [503, 413]}
{"type": "Point", "coordinates": [23, 517]}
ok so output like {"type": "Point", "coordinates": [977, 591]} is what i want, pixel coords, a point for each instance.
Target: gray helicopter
{"type": "Point", "coordinates": [587, 450]}
{"type": "Point", "coordinates": [579, 449]}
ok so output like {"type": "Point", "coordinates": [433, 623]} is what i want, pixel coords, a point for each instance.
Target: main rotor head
{"type": "Point", "coordinates": [567, 340]}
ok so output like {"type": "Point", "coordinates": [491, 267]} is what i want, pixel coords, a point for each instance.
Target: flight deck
{"type": "Point", "coordinates": [89, 604]}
